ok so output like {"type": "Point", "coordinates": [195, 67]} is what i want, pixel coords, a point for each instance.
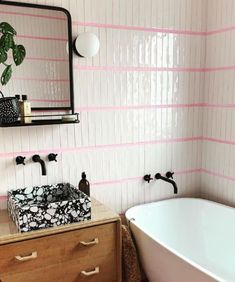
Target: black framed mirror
{"type": "Point", "coordinates": [46, 74]}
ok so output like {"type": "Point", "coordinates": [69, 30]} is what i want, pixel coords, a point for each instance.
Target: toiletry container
{"type": "Point", "coordinates": [84, 185]}
{"type": "Point", "coordinates": [25, 110]}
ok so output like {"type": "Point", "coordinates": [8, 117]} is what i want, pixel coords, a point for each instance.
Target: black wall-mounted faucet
{"type": "Point", "coordinates": [37, 159]}
{"type": "Point", "coordinates": [159, 176]}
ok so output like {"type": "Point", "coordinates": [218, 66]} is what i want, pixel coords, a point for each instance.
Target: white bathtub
{"type": "Point", "coordinates": [185, 240]}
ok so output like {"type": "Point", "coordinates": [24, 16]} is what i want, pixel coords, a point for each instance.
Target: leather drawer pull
{"type": "Point", "coordinates": [93, 242]}
{"type": "Point", "coordinates": [93, 272]}
{"type": "Point", "coordinates": [33, 255]}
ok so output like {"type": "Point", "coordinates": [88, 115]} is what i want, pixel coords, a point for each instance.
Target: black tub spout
{"type": "Point", "coordinates": [159, 176]}
{"type": "Point", "coordinates": [37, 159]}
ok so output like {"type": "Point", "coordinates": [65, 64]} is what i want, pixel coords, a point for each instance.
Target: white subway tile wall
{"type": "Point", "coordinates": [218, 161]}
{"type": "Point", "coordinates": [152, 100]}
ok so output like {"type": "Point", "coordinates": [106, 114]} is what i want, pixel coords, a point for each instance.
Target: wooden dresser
{"type": "Point", "coordinates": [86, 251]}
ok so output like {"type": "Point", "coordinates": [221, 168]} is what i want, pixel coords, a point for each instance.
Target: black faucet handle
{"type": "Point", "coordinates": [158, 175]}
{"type": "Point", "coordinates": [20, 160]}
{"type": "Point", "coordinates": [36, 158]}
{"type": "Point", "coordinates": [148, 178]}
{"type": "Point", "coordinates": [169, 174]}
{"type": "Point", "coordinates": [52, 157]}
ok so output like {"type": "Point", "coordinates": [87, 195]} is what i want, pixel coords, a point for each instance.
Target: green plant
{"type": "Point", "coordinates": [7, 43]}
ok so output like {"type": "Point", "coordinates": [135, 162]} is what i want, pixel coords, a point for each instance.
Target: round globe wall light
{"type": "Point", "coordinates": [87, 45]}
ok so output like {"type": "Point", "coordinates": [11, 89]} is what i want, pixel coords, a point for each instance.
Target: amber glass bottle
{"type": "Point", "coordinates": [84, 185]}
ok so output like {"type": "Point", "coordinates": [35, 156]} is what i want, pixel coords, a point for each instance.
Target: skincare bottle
{"type": "Point", "coordinates": [84, 185]}
{"type": "Point", "coordinates": [25, 110]}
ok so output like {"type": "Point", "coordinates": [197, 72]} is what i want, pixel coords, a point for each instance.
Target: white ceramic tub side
{"type": "Point", "coordinates": [185, 240]}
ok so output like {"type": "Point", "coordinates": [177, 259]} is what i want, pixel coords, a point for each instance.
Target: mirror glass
{"type": "Point", "coordinates": [45, 75]}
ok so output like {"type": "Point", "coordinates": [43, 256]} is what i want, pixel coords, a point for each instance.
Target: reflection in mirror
{"type": "Point", "coordinates": [45, 75]}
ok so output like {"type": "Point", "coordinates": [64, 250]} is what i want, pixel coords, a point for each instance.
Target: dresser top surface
{"type": "Point", "coordinates": [100, 214]}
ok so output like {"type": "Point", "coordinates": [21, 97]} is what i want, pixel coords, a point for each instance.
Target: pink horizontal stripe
{"type": "Point", "coordinates": [142, 69]}
{"type": "Point", "coordinates": [221, 30]}
{"type": "Point", "coordinates": [215, 69]}
{"type": "Point", "coordinates": [124, 145]}
{"type": "Point", "coordinates": [125, 27]}
{"type": "Point", "coordinates": [187, 171]}
{"type": "Point", "coordinates": [163, 106]}
{"type": "Point", "coordinates": [140, 178]}
{"type": "Point", "coordinates": [155, 29]}
{"type": "Point", "coordinates": [42, 38]}
{"type": "Point", "coordinates": [151, 69]}
{"type": "Point", "coordinates": [117, 181]}
{"type": "Point", "coordinates": [41, 79]}
{"type": "Point", "coordinates": [221, 141]}
{"type": "Point", "coordinates": [46, 59]}
{"type": "Point", "coordinates": [208, 105]}
{"type": "Point", "coordinates": [139, 28]}
{"type": "Point", "coordinates": [34, 15]}
{"type": "Point", "coordinates": [49, 101]}
{"type": "Point", "coordinates": [183, 172]}
{"type": "Point", "coordinates": [136, 107]}
{"type": "Point", "coordinates": [125, 180]}
{"type": "Point", "coordinates": [101, 147]}
{"type": "Point", "coordinates": [231, 178]}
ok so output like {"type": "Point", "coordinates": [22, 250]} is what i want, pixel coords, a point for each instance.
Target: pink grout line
{"type": "Point", "coordinates": [163, 106]}
{"type": "Point", "coordinates": [231, 178]}
{"type": "Point", "coordinates": [117, 181]}
{"type": "Point", "coordinates": [42, 38]}
{"type": "Point", "coordinates": [221, 30]}
{"type": "Point", "coordinates": [154, 29]}
{"type": "Point", "coordinates": [139, 28]}
{"type": "Point", "coordinates": [49, 101]}
{"type": "Point", "coordinates": [150, 69]}
{"type": "Point", "coordinates": [102, 147]}
{"type": "Point", "coordinates": [136, 107]}
{"type": "Point", "coordinates": [143, 69]}
{"type": "Point", "coordinates": [139, 178]}
{"type": "Point", "coordinates": [180, 172]}
{"type": "Point", "coordinates": [41, 79]}
{"type": "Point", "coordinates": [46, 59]}
{"type": "Point", "coordinates": [208, 105]}
{"type": "Point", "coordinates": [34, 15]}
{"type": "Point", "coordinates": [111, 146]}
{"type": "Point", "coordinates": [221, 141]}
{"type": "Point", "coordinates": [126, 27]}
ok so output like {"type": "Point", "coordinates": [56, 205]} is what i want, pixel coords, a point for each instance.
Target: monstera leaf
{"type": "Point", "coordinates": [3, 56]}
{"type": "Point", "coordinates": [19, 53]}
{"type": "Point", "coordinates": [7, 42]}
{"type": "Point", "coordinates": [7, 28]}
{"type": "Point", "coordinates": [6, 75]}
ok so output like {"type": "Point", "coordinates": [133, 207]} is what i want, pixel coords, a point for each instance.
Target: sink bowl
{"type": "Point", "coordinates": [45, 206]}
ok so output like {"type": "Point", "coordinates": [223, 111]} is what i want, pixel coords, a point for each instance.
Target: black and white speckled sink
{"type": "Point", "coordinates": [45, 206]}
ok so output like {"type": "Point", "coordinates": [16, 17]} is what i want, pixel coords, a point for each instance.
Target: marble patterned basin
{"type": "Point", "coordinates": [45, 206]}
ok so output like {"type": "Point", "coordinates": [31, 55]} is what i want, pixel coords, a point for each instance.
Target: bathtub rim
{"type": "Point", "coordinates": [172, 250]}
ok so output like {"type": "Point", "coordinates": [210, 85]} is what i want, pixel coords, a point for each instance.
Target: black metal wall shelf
{"type": "Point", "coordinates": [45, 120]}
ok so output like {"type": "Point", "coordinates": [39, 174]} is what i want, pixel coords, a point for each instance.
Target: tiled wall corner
{"type": "Point", "coordinates": [218, 162]}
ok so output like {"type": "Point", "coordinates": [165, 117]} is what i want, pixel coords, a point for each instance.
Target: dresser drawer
{"type": "Point", "coordinates": [81, 249]}
{"type": "Point", "coordinates": [103, 269]}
